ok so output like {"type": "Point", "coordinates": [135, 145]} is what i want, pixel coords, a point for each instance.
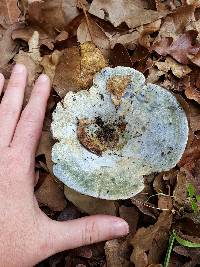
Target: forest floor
{"type": "Point", "coordinates": [161, 39]}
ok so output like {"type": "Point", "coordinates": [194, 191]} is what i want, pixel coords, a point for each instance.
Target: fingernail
{"type": "Point", "coordinates": [19, 68]}
{"type": "Point", "coordinates": [120, 228]}
{"type": "Point", "coordinates": [43, 78]}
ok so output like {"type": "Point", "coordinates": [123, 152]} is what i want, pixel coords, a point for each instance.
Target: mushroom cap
{"type": "Point", "coordinates": [153, 137]}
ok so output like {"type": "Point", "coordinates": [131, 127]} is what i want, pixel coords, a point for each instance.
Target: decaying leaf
{"type": "Point", "coordinates": [177, 69]}
{"type": "Point", "coordinates": [133, 14]}
{"type": "Point", "coordinates": [50, 194]}
{"type": "Point", "coordinates": [89, 204]}
{"type": "Point", "coordinates": [150, 243]}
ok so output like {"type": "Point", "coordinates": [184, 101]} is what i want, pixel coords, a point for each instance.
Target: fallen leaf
{"type": "Point", "coordinates": [89, 204]}
{"type": "Point", "coordinates": [151, 242]}
{"type": "Point", "coordinates": [131, 216]}
{"type": "Point", "coordinates": [50, 194]}
{"type": "Point", "coordinates": [27, 32]}
{"type": "Point", "coordinates": [145, 39]}
{"type": "Point", "coordinates": [9, 11]}
{"type": "Point", "coordinates": [8, 47]}
{"type": "Point", "coordinates": [126, 11]}
{"type": "Point", "coordinates": [89, 30]}
{"type": "Point", "coordinates": [179, 49]}
{"type": "Point", "coordinates": [174, 24]}
{"type": "Point", "coordinates": [128, 40]}
{"type": "Point", "coordinates": [177, 69]}
{"type": "Point", "coordinates": [44, 148]}
{"type": "Point", "coordinates": [67, 72]}
{"type": "Point", "coordinates": [52, 16]}
{"type": "Point", "coordinates": [77, 67]}
{"type": "Point", "coordinates": [119, 56]}
{"type": "Point", "coordinates": [117, 253]}
{"type": "Point", "coordinates": [192, 253]}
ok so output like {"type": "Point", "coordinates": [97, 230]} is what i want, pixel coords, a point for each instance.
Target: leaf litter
{"type": "Point", "coordinates": [73, 40]}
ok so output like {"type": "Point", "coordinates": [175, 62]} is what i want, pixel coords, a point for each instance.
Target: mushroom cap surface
{"type": "Point", "coordinates": [110, 136]}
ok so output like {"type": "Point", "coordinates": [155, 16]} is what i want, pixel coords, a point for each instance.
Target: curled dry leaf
{"type": "Point", "coordinates": [145, 36]}
{"type": "Point", "coordinates": [89, 204]}
{"type": "Point", "coordinates": [77, 67]}
{"type": "Point", "coordinates": [133, 14]}
{"type": "Point", "coordinates": [177, 69]}
{"type": "Point", "coordinates": [50, 194]}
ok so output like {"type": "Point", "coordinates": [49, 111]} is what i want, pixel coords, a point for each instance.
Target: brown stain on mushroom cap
{"type": "Point", "coordinates": [117, 86]}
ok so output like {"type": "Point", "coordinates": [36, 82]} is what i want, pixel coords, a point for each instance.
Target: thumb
{"type": "Point", "coordinates": [84, 231]}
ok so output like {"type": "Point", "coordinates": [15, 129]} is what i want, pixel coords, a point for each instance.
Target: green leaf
{"type": "Point", "coordinates": [182, 242]}
{"type": "Point", "coordinates": [191, 190]}
{"type": "Point", "coordinates": [198, 198]}
{"type": "Point", "coordinates": [169, 250]}
{"type": "Point", "coordinates": [186, 243]}
{"type": "Point", "coordinates": [194, 205]}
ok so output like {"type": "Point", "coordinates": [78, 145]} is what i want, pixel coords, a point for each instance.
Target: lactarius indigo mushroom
{"type": "Point", "coordinates": [110, 136]}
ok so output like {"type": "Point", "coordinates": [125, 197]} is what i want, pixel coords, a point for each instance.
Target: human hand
{"type": "Point", "coordinates": [27, 235]}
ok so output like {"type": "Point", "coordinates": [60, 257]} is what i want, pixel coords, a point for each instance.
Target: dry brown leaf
{"type": "Point", "coordinates": [27, 32]}
{"type": "Point", "coordinates": [77, 68]}
{"type": "Point", "coordinates": [89, 204]}
{"type": "Point", "coordinates": [131, 216]}
{"type": "Point", "coordinates": [175, 23]}
{"type": "Point", "coordinates": [117, 253]}
{"type": "Point", "coordinates": [145, 39]}
{"type": "Point", "coordinates": [52, 16]}
{"type": "Point", "coordinates": [89, 30]}
{"type": "Point", "coordinates": [177, 69]}
{"type": "Point", "coordinates": [151, 242]}
{"type": "Point", "coordinates": [44, 148]}
{"type": "Point", "coordinates": [119, 56]}
{"type": "Point", "coordinates": [50, 194]}
{"type": "Point", "coordinates": [9, 11]}
{"type": "Point", "coordinates": [129, 40]}
{"type": "Point", "coordinates": [180, 49]}
{"type": "Point", "coordinates": [126, 11]}
{"type": "Point", "coordinates": [67, 72]}
{"type": "Point", "coordinates": [8, 47]}
{"type": "Point", "coordinates": [192, 253]}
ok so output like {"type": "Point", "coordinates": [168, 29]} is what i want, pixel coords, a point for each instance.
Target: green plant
{"type": "Point", "coordinates": [193, 197]}
{"type": "Point", "coordinates": [174, 237]}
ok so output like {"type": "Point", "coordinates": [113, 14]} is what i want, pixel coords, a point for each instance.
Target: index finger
{"type": "Point", "coordinates": [29, 127]}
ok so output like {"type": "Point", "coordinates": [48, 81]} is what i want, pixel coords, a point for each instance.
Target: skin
{"type": "Point", "coordinates": [27, 235]}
